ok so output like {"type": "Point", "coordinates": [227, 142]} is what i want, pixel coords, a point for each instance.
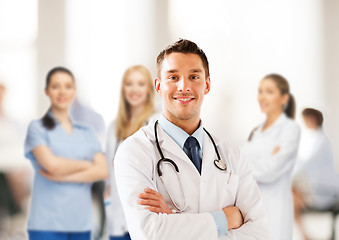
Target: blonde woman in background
{"type": "Point", "coordinates": [272, 150]}
{"type": "Point", "coordinates": [135, 109]}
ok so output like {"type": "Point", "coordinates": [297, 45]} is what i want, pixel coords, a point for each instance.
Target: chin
{"type": "Point", "coordinates": [62, 106]}
{"type": "Point", "coordinates": [184, 115]}
{"type": "Point", "coordinates": [136, 104]}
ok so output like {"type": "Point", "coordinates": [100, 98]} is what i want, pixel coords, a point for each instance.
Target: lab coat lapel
{"type": "Point", "coordinates": [280, 121]}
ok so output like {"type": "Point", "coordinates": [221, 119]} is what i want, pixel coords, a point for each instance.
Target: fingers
{"type": "Point", "coordinates": [150, 194]}
{"type": "Point", "coordinates": [151, 203]}
{"type": "Point", "coordinates": [156, 210]}
{"type": "Point", "coordinates": [151, 191]}
{"type": "Point", "coordinates": [154, 201]}
{"type": "Point", "coordinates": [276, 150]}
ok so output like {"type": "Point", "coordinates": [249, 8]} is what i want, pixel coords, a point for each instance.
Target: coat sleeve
{"type": "Point", "coordinates": [272, 167]}
{"type": "Point", "coordinates": [249, 201]}
{"type": "Point", "coordinates": [134, 171]}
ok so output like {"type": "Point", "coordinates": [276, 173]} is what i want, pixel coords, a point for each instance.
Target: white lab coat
{"type": "Point", "coordinates": [315, 174]}
{"type": "Point", "coordinates": [273, 172]}
{"type": "Point", "coordinates": [135, 169]}
{"type": "Point", "coordinates": [115, 216]}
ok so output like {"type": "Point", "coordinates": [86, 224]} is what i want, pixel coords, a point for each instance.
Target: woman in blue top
{"type": "Point", "coordinates": [67, 158]}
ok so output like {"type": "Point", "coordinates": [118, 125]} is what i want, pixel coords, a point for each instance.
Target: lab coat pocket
{"type": "Point", "coordinates": [227, 185]}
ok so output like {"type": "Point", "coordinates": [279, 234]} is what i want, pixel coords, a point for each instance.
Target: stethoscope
{"type": "Point", "coordinates": [217, 162]}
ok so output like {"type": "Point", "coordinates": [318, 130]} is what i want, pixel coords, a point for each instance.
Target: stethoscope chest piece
{"type": "Point", "coordinates": [220, 164]}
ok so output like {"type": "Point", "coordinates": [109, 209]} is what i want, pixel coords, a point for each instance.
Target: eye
{"type": "Point", "coordinates": [173, 78]}
{"type": "Point", "coordinates": [195, 77]}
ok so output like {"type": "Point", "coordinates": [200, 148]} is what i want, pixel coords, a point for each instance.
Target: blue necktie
{"type": "Point", "coordinates": [192, 146]}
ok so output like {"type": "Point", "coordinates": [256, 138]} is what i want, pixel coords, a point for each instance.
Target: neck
{"type": "Point", "coordinates": [188, 125]}
{"type": "Point", "coordinates": [271, 118]}
{"type": "Point", "coordinates": [136, 111]}
{"type": "Point", "coordinates": [60, 114]}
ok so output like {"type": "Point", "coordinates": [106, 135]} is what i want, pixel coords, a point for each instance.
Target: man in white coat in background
{"type": "Point", "coordinates": [174, 179]}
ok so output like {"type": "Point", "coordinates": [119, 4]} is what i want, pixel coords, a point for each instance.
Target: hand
{"type": "Point", "coordinates": [233, 216]}
{"type": "Point", "coordinates": [154, 200]}
{"type": "Point", "coordinates": [276, 150]}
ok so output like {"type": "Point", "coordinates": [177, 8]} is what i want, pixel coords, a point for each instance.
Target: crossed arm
{"type": "Point", "coordinates": [61, 169]}
{"type": "Point", "coordinates": [156, 203]}
{"type": "Point", "coordinates": [148, 217]}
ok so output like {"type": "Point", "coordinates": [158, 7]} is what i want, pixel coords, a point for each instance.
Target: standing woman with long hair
{"type": "Point", "coordinates": [136, 107]}
{"type": "Point", "coordinates": [272, 150]}
{"type": "Point", "coordinates": [67, 158]}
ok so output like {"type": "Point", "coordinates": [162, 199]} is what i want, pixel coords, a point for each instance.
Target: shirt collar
{"type": "Point", "coordinates": [280, 120]}
{"type": "Point", "coordinates": [179, 135]}
{"type": "Point", "coordinates": [74, 123]}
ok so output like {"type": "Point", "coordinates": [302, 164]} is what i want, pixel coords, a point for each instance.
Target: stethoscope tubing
{"type": "Point", "coordinates": [218, 163]}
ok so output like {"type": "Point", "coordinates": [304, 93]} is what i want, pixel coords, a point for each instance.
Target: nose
{"type": "Point", "coordinates": [62, 90]}
{"type": "Point", "coordinates": [184, 85]}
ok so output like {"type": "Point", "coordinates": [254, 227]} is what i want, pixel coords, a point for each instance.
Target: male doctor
{"type": "Point", "coordinates": [170, 180]}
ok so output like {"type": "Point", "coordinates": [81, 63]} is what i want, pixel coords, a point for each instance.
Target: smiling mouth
{"type": "Point", "coordinates": [263, 105]}
{"type": "Point", "coordinates": [184, 99]}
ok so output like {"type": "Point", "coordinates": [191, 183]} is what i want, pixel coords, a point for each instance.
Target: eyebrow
{"type": "Point", "coordinates": [172, 71]}
{"type": "Point", "coordinates": [196, 70]}
{"type": "Point", "coordinates": [192, 71]}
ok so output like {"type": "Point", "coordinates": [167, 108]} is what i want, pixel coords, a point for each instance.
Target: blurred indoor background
{"type": "Point", "coordinates": [243, 40]}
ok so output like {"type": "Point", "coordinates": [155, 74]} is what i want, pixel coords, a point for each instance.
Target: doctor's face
{"type": "Point", "coordinates": [182, 85]}
{"type": "Point", "coordinates": [270, 98]}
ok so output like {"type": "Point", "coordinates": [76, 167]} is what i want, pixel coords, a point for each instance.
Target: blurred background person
{"type": "Point", "coordinates": [136, 107]}
{"type": "Point", "coordinates": [15, 175]}
{"type": "Point", "coordinates": [272, 150]}
{"type": "Point", "coordinates": [84, 114]}
{"type": "Point", "coordinates": [101, 47]}
{"type": "Point", "coordinates": [81, 113]}
{"type": "Point", "coordinates": [67, 158]}
{"type": "Point", "coordinates": [315, 181]}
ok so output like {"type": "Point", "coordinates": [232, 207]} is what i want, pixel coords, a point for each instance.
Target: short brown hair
{"type": "Point", "coordinates": [315, 114]}
{"type": "Point", "coordinates": [183, 46]}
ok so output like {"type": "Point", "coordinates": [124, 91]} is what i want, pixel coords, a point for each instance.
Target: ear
{"type": "Point", "coordinates": [208, 85]}
{"type": "Point", "coordinates": [46, 92]}
{"type": "Point", "coordinates": [157, 85]}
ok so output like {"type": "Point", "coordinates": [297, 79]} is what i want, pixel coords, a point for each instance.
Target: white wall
{"type": "Point", "coordinates": [18, 33]}
{"type": "Point", "coordinates": [103, 39]}
{"type": "Point", "coordinates": [331, 80]}
{"type": "Point", "coordinates": [244, 41]}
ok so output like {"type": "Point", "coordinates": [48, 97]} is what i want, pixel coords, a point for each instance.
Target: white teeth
{"type": "Point", "coordinates": [184, 99]}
